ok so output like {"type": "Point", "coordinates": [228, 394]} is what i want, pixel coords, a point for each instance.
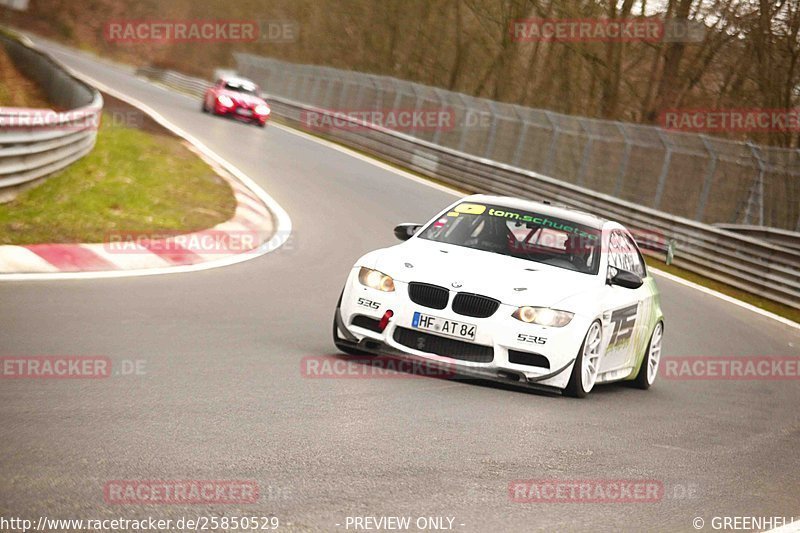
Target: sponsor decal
{"type": "Point", "coordinates": [532, 339]}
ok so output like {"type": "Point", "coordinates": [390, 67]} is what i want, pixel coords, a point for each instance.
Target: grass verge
{"type": "Point", "coordinates": [132, 181]}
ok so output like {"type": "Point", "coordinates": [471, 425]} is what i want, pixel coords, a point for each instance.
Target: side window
{"type": "Point", "coordinates": [622, 253]}
{"type": "Point", "coordinates": [638, 260]}
{"type": "Point", "coordinates": [614, 251]}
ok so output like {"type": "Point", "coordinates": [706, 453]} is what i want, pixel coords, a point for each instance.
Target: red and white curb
{"type": "Point", "coordinates": [259, 225]}
{"type": "Point", "coordinates": [250, 227]}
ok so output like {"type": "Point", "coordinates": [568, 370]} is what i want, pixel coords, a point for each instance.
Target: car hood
{"type": "Point", "coordinates": [512, 281]}
{"type": "Point", "coordinates": [242, 98]}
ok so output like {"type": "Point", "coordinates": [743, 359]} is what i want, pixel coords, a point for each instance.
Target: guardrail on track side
{"type": "Point", "coordinates": [747, 263]}
{"type": "Point", "coordinates": [35, 143]}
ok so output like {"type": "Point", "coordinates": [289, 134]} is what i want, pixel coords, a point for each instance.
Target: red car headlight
{"type": "Point", "coordinates": [262, 109]}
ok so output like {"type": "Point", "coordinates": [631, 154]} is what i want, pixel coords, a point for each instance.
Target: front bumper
{"type": "Point", "coordinates": [503, 337]}
{"type": "Point", "coordinates": [240, 113]}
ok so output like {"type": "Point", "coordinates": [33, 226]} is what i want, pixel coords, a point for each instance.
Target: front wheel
{"type": "Point", "coordinates": [587, 364]}
{"type": "Point", "coordinates": [648, 371]}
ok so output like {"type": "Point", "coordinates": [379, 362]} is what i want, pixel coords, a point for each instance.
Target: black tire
{"type": "Point", "coordinates": [641, 378]}
{"type": "Point", "coordinates": [575, 386]}
{"type": "Point", "coordinates": [203, 106]}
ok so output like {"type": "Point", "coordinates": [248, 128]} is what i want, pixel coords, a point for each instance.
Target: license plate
{"type": "Point", "coordinates": [443, 326]}
{"type": "Point", "coordinates": [245, 112]}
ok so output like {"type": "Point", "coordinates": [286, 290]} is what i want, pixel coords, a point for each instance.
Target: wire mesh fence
{"type": "Point", "coordinates": [700, 177]}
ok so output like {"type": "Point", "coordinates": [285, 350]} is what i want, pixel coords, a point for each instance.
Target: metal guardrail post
{"type": "Point", "coordinates": [520, 143]}
{"type": "Point", "coordinates": [551, 150]}
{"type": "Point", "coordinates": [670, 252]}
{"type": "Point", "coordinates": [756, 195]}
{"type": "Point", "coordinates": [464, 126]}
{"type": "Point", "coordinates": [440, 94]}
{"type": "Point", "coordinates": [623, 164]}
{"type": "Point", "coordinates": [662, 178]}
{"type": "Point", "coordinates": [398, 95]}
{"type": "Point", "coordinates": [492, 131]}
{"type": "Point", "coordinates": [378, 92]}
{"type": "Point", "coordinates": [587, 150]}
{"type": "Point", "coordinates": [417, 105]}
{"type": "Point", "coordinates": [712, 167]}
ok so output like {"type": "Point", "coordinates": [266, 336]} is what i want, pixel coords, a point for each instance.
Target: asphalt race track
{"type": "Point", "coordinates": [222, 396]}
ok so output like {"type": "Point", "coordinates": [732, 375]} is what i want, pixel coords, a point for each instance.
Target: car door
{"type": "Point", "coordinates": [623, 307]}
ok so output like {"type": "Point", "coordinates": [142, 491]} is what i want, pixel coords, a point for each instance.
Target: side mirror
{"type": "Point", "coordinates": [406, 231]}
{"type": "Point", "coordinates": [624, 278]}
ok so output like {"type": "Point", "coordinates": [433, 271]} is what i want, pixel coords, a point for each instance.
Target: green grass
{"type": "Point", "coordinates": [753, 299]}
{"type": "Point", "coordinates": [131, 181]}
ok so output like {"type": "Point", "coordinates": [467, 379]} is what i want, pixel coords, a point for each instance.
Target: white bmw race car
{"type": "Point", "coordinates": [509, 290]}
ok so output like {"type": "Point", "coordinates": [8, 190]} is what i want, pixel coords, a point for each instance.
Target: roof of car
{"type": "Point", "coordinates": [545, 208]}
{"type": "Point", "coordinates": [237, 80]}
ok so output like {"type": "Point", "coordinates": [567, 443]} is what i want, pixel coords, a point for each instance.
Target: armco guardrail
{"type": "Point", "coordinates": [37, 142]}
{"type": "Point", "coordinates": [178, 81]}
{"type": "Point", "coordinates": [749, 264]}
{"type": "Point", "coordinates": [781, 237]}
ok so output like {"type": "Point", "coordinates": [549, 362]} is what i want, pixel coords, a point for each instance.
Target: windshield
{"type": "Point", "coordinates": [241, 87]}
{"type": "Point", "coordinates": [521, 234]}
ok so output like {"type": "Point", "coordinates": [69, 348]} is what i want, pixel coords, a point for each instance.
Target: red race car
{"type": "Point", "coordinates": [238, 98]}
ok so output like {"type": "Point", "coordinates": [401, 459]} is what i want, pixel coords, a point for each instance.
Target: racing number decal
{"type": "Point", "coordinates": [623, 320]}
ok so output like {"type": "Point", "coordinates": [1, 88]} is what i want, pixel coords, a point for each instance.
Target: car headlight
{"type": "Point", "coordinates": [262, 109]}
{"type": "Point", "coordinates": [543, 316]}
{"type": "Point", "coordinates": [225, 100]}
{"type": "Point", "coordinates": [375, 279]}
